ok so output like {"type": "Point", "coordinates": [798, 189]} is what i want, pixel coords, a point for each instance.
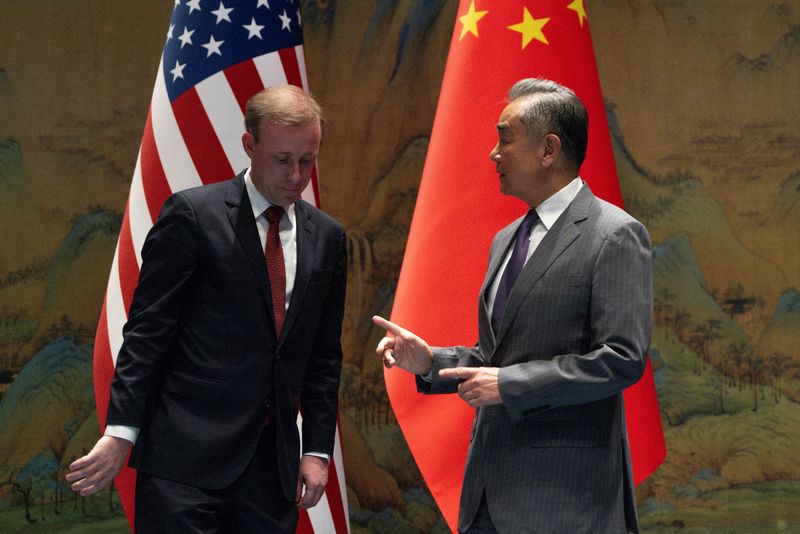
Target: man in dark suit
{"type": "Point", "coordinates": [564, 325]}
{"type": "Point", "coordinates": [235, 324]}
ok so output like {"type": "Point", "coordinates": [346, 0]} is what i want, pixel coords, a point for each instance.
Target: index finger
{"type": "Point", "coordinates": [459, 372]}
{"type": "Point", "coordinates": [80, 463]}
{"type": "Point", "coordinates": [387, 325]}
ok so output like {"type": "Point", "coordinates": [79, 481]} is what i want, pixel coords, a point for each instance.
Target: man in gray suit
{"type": "Point", "coordinates": [565, 318]}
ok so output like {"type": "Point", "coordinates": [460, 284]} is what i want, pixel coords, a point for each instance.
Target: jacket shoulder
{"type": "Point", "coordinates": [317, 216]}
{"type": "Point", "coordinates": [609, 217]}
{"type": "Point", "coordinates": [207, 191]}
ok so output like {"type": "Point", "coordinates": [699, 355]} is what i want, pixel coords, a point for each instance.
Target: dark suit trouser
{"type": "Point", "coordinates": [254, 503]}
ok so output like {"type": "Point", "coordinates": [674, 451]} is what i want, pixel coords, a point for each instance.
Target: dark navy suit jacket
{"type": "Point", "coordinates": [201, 365]}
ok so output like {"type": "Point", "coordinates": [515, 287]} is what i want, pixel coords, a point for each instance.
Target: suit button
{"type": "Point", "coordinates": [268, 403]}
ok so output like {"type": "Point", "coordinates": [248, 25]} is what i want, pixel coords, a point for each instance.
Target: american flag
{"type": "Point", "coordinates": [216, 56]}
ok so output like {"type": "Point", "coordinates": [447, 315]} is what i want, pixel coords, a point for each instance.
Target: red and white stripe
{"type": "Point", "coordinates": [192, 141]}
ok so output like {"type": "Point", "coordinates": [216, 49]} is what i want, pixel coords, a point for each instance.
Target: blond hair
{"type": "Point", "coordinates": [281, 104]}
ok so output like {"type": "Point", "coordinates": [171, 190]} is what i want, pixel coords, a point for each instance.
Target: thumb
{"type": "Point", "coordinates": [299, 494]}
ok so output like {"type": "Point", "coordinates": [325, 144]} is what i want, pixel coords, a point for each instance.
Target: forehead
{"type": "Point", "coordinates": [509, 120]}
{"type": "Point", "coordinates": [286, 134]}
{"type": "Point", "coordinates": [268, 125]}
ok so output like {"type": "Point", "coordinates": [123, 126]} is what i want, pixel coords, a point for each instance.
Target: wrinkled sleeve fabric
{"type": "Point", "coordinates": [169, 257]}
{"type": "Point", "coordinates": [320, 394]}
{"type": "Point", "coordinates": [447, 358]}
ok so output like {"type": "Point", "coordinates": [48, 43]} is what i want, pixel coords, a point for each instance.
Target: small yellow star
{"type": "Point", "coordinates": [578, 7]}
{"type": "Point", "coordinates": [469, 21]}
{"type": "Point", "coordinates": [530, 28]}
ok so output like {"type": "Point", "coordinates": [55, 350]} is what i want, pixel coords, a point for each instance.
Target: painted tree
{"type": "Point", "coordinates": [778, 365]}
{"type": "Point", "coordinates": [680, 321]}
{"type": "Point", "coordinates": [738, 350]}
{"type": "Point", "coordinates": [703, 336]}
{"type": "Point", "coordinates": [756, 368]}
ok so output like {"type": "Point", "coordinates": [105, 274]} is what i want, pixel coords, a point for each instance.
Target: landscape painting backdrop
{"type": "Point", "coordinates": [703, 105]}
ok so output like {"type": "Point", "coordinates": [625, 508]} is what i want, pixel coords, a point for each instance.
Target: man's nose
{"type": "Point", "coordinates": [297, 171]}
{"type": "Point", "coordinates": [494, 155]}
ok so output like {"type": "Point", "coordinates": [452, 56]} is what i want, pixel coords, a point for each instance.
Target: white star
{"type": "Point", "coordinates": [264, 3]}
{"type": "Point", "coordinates": [299, 18]}
{"type": "Point", "coordinates": [285, 21]}
{"type": "Point", "coordinates": [213, 47]}
{"type": "Point", "coordinates": [193, 4]}
{"type": "Point", "coordinates": [177, 2]}
{"type": "Point", "coordinates": [253, 29]}
{"type": "Point", "coordinates": [186, 37]}
{"type": "Point", "coordinates": [223, 13]}
{"type": "Point", "coordinates": [169, 33]}
{"type": "Point", "coordinates": [177, 72]}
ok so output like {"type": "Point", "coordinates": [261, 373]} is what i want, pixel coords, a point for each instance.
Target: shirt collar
{"type": "Point", "coordinates": [552, 208]}
{"type": "Point", "coordinates": [258, 202]}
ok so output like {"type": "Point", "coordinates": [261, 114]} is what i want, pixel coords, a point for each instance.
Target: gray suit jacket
{"type": "Point", "coordinates": [553, 458]}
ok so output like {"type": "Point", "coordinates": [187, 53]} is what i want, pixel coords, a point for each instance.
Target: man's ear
{"type": "Point", "coordinates": [249, 144]}
{"type": "Point", "coordinates": [552, 149]}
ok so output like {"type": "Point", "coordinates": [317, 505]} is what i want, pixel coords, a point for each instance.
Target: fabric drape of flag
{"type": "Point", "coordinates": [459, 209]}
{"type": "Point", "coordinates": [216, 55]}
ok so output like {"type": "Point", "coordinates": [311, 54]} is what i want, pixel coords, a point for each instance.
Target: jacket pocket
{"type": "Point", "coordinates": [560, 282]}
{"type": "Point", "coordinates": [197, 387]}
{"type": "Point", "coordinates": [321, 277]}
{"type": "Point", "coordinates": [566, 434]}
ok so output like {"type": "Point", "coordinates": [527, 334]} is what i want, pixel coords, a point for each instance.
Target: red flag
{"type": "Point", "coordinates": [459, 209]}
{"type": "Point", "coordinates": [213, 61]}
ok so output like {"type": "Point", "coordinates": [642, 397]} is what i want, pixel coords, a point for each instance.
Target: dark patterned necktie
{"type": "Point", "coordinates": [514, 267]}
{"type": "Point", "coordinates": [276, 269]}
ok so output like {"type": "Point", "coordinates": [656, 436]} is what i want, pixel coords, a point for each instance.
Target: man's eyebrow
{"type": "Point", "coordinates": [502, 127]}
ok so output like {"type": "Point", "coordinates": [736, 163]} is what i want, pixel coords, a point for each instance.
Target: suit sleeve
{"type": "Point", "coordinates": [447, 358]}
{"type": "Point", "coordinates": [319, 399]}
{"type": "Point", "coordinates": [620, 315]}
{"type": "Point", "coordinates": [168, 261]}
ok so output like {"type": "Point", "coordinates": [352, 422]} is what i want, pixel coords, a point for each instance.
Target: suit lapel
{"type": "Point", "coordinates": [306, 245]}
{"type": "Point", "coordinates": [560, 236]}
{"type": "Point", "coordinates": [240, 215]}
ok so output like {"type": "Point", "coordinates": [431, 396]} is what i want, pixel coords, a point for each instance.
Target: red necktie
{"type": "Point", "coordinates": [276, 270]}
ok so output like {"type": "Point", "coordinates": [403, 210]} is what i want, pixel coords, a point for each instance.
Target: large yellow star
{"type": "Point", "coordinates": [578, 7]}
{"type": "Point", "coordinates": [530, 28]}
{"type": "Point", "coordinates": [469, 21]}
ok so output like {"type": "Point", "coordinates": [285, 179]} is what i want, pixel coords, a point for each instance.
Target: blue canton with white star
{"type": "Point", "coordinates": [207, 36]}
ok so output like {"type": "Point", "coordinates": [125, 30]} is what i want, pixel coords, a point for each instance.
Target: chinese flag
{"type": "Point", "coordinates": [460, 208]}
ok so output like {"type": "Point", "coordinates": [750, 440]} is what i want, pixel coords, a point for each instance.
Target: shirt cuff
{"type": "Point", "coordinates": [322, 455]}
{"type": "Point", "coordinates": [128, 433]}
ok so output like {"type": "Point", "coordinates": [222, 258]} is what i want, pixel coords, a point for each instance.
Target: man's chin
{"type": "Point", "coordinates": [289, 199]}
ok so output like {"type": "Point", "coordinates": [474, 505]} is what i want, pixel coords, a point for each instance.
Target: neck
{"type": "Point", "coordinates": [549, 187]}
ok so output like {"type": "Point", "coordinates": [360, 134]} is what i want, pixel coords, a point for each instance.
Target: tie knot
{"type": "Point", "coordinates": [274, 214]}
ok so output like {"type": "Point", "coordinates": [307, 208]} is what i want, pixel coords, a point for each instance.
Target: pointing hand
{"type": "Point", "coordinates": [403, 348]}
